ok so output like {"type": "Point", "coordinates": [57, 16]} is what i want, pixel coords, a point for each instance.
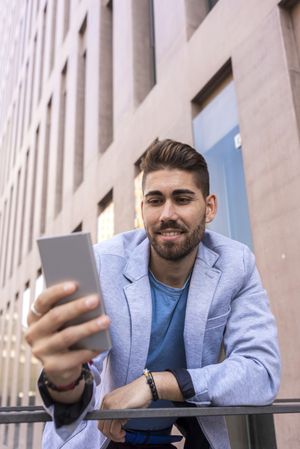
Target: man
{"type": "Point", "coordinates": [175, 294]}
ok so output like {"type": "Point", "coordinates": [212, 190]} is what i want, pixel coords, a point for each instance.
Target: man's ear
{"type": "Point", "coordinates": [211, 208]}
{"type": "Point", "coordinates": [142, 209]}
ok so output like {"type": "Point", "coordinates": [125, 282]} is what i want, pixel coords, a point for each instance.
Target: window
{"type": "Point", "coordinates": [15, 223]}
{"type": "Point", "coordinates": [105, 224]}
{"type": "Point", "coordinates": [42, 53]}
{"type": "Point", "coordinates": [138, 195]}
{"type": "Point", "coordinates": [6, 359]}
{"type": "Point", "coordinates": [78, 228]}
{"type": "Point", "coordinates": [61, 141]}
{"type": "Point", "coordinates": [143, 49]}
{"type": "Point", "coordinates": [25, 34]}
{"type": "Point", "coordinates": [46, 169]}
{"type": "Point", "coordinates": [2, 260]}
{"type": "Point", "coordinates": [39, 284]}
{"type": "Point", "coordinates": [80, 108]}
{"type": "Point", "coordinates": [53, 34]}
{"type": "Point", "coordinates": [7, 235]}
{"type": "Point", "coordinates": [25, 305]}
{"type": "Point", "coordinates": [24, 103]}
{"type": "Point", "coordinates": [30, 19]}
{"type": "Point", "coordinates": [212, 3]}
{"type": "Point", "coordinates": [31, 97]}
{"type": "Point", "coordinates": [196, 11]}
{"type": "Point", "coordinates": [34, 365]}
{"type": "Point", "coordinates": [25, 180]}
{"type": "Point", "coordinates": [11, 149]}
{"type": "Point", "coordinates": [105, 118]}
{"type": "Point", "coordinates": [66, 17]}
{"type": "Point", "coordinates": [14, 349]}
{"type": "Point", "coordinates": [33, 188]}
{"type": "Point", "coordinates": [16, 129]}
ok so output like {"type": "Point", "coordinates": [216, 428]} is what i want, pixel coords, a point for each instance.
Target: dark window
{"type": "Point", "coordinates": [80, 107]}
{"type": "Point", "coordinates": [78, 228]}
{"type": "Point", "coordinates": [105, 118]}
{"type": "Point", "coordinates": [212, 3]}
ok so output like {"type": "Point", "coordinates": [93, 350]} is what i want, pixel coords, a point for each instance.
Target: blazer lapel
{"type": "Point", "coordinates": [203, 284]}
{"type": "Point", "coordinates": [138, 296]}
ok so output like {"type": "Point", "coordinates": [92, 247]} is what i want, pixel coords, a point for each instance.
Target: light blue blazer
{"type": "Point", "coordinates": [227, 308]}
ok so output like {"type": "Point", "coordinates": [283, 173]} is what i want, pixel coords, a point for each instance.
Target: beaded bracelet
{"type": "Point", "coordinates": [151, 383]}
{"type": "Point", "coordinates": [85, 374]}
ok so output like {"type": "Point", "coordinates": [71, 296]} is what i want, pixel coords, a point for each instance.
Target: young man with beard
{"type": "Point", "coordinates": [174, 295]}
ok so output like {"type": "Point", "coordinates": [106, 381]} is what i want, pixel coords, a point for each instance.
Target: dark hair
{"type": "Point", "coordinates": [175, 155]}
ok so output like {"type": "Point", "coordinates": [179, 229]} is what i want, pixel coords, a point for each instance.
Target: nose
{"type": "Point", "coordinates": [168, 211]}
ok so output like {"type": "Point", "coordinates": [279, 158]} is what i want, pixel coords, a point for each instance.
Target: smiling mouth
{"type": "Point", "coordinates": [170, 233]}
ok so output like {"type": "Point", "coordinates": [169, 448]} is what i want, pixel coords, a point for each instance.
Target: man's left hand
{"type": "Point", "coordinates": [137, 394]}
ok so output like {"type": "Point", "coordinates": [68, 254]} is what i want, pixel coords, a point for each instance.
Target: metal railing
{"type": "Point", "coordinates": [30, 414]}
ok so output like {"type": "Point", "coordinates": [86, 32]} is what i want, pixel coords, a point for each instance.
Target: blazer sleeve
{"type": "Point", "coordinates": [66, 417]}
{"type": "Point", "coordinates": [250, 372]}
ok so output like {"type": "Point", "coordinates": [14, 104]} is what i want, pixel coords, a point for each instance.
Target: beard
{"type": "Point", "coordinates": [177, 251]}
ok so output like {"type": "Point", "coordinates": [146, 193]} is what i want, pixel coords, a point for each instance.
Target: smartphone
{"type": "Point", "coordinates": [71, 258]}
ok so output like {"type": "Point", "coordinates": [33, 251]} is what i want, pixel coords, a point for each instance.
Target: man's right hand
{"type": "Point", "coordinates": [50, 343]}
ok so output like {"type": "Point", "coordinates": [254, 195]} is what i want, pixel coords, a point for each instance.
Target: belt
{"type": "Point", "coordinates": [149, 437]}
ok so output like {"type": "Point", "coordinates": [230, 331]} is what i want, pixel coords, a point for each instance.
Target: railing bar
{"type": "Point", "coordinates": [190, 411]}
{"type": "Point", "coordinates": [38, 416]}
{"type": "Point", "coordinates": [29, 408]}
{"type": "Point", "coordinates": [277, 403]}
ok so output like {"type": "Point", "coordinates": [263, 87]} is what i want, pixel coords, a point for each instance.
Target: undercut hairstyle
{"type": "Point", "coordinates": [169, 154]}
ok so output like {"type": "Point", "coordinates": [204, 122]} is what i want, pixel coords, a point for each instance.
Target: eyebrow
{"type": "Point", "coordinates": [174, 193]}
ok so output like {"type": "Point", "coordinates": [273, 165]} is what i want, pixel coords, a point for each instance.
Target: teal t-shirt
{"type": "Point", "coordinates": [166, 349]}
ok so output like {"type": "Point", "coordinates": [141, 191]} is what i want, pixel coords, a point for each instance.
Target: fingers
{"type": "Point", "coordinates": [51, 341]}
{"type": "Point", "coordinates": [49, 297]}
{"type": "Point", "coordinates": [113, 429]}
{"type": "Point", "coordinates": [60, 342]}
{"type": "Point", "coordinates": [60, 363]}
{"type": "Point", "coordinates": [56, 317]}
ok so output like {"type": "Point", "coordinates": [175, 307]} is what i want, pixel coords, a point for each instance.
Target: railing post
{"type": "Point", "coordinates": [262, 432]}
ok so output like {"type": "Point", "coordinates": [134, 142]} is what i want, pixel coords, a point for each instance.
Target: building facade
{"type": "Point", "coordinates": [85, 87]}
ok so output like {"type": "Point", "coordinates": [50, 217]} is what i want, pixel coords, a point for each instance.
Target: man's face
{"type": "Point", "coordinates": [175, 212]}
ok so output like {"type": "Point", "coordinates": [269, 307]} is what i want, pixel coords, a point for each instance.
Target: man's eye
{"type": "Point", "coordinates": [183, 200]}
{"type": "Point", "coordinates": [154, 201]}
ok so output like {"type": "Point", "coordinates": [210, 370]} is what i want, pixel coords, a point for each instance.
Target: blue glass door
{"type": "Point", "coordinates": [225, 164]}
{"type": "Point", "coordinates": [215, 129]}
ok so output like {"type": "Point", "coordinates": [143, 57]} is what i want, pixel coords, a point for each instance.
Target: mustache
{"type": "Point", "coordinates": [170, 224]}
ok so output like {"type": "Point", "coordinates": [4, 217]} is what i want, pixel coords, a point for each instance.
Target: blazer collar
{"type": "Point", "coordinates": [138, 262]}
{"type": "Point", "coordinates": [207, 255]}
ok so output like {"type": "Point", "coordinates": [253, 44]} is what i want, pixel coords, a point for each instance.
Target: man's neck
{"type": "Point", "coordinates": [172, 272]}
